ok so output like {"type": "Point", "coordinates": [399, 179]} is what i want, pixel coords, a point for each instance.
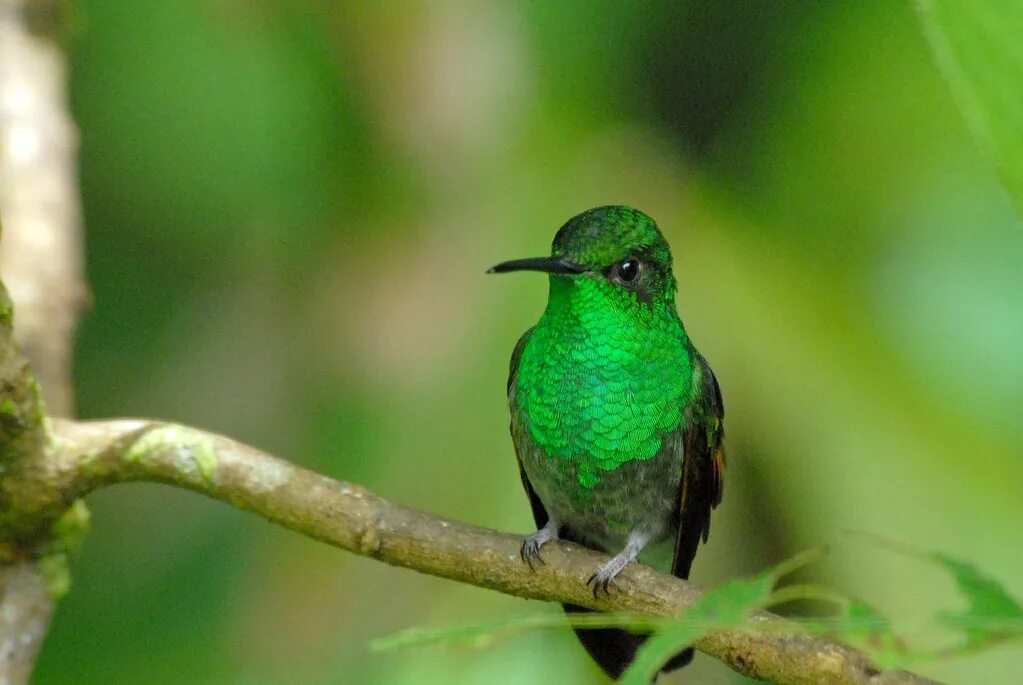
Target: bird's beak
{"type": "Point", "coordinates": [551, 265]}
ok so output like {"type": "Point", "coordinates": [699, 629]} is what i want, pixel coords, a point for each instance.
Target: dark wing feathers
{"type": "Point", "coordinates": [702, 468]}
{"type": "Point", "coordinates": [540, 515]}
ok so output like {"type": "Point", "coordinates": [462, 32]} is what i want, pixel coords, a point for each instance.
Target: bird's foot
{"type": "Point", "coordinates": [603, 578]}
{"type": "Point", "coordinates": [530, 550]}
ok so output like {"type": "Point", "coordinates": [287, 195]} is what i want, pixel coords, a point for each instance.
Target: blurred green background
{"type": "Point", "coordinates": [290, 207]}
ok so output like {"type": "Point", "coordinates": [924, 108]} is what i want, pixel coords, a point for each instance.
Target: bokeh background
{"type": "Point", "coordinates": [290, 207]}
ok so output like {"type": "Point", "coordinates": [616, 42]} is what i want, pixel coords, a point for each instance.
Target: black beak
{"type": "Point", "coordinates": [551, 265]}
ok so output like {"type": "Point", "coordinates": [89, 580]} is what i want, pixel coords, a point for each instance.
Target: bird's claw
{"type": "Point", "coordinates": [603, 578]}
{"type": "Point", "coordinates": [531, 544]}
{"type": "Point", "coordinates": [530, 552]}
{"type": "Point", "coordinates": [601, 583]}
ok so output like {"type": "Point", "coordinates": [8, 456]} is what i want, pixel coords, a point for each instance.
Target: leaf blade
{"type": "Point", "coordinates": [977, 47]}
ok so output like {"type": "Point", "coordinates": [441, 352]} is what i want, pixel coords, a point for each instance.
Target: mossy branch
{"type": "Point", "coordinates": [90, 455]}
{"type": "Point", "coordinates": [26, 600]}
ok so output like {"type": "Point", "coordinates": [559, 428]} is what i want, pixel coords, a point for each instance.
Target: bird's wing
{"type": "Point", "coordinates": [703, 466]}
{"type": "Point", "coordinates": [540, 515]}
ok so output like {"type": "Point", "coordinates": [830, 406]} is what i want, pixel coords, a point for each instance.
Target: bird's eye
{"type": "Point", "coordinates": [628, 270]}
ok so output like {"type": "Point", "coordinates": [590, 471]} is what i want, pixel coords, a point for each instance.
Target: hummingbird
{"type": "Point", "coordinates": [616, 418]}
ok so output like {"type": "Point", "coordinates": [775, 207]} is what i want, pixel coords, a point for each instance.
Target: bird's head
{"type": "Point", "coordinates": [616, 250]}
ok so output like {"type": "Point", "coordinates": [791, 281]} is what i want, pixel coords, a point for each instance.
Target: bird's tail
{"type": "Point", "coordinates": [614, 649]}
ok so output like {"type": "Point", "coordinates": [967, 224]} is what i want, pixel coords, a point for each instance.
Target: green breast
{"type": "Point", "coordinates": [603, 378]}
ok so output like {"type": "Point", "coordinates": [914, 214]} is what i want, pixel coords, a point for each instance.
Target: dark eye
{"type": "Point", "coordinates": [628, 270]}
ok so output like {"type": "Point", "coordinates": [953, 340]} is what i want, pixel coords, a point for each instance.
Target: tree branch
{"type": "Point", "coordinates": [26, 602]}
{"type": "Point", "coordinates": [41, 261]}
{"type": "Point", "coordinates": [41, 254]}
{"type": "Point", "coordinates": [89, 455]}
{"type": "Point", "coordinates": [25, 610]}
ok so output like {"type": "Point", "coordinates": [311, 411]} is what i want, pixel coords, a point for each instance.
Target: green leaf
{"type": "Point", "coordinates": [864, 627]}
{"type": "Point", "coordinates": [727, 606]}
{"type": "Point", "coordinates": [978, 46]}
{"type": "Point", "coordinates": [992, 615]}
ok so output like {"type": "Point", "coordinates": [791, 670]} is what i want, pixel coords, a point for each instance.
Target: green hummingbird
{"type": "Point", "coordinates": [615, 417]}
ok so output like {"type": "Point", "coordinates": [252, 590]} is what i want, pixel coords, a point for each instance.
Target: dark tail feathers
{"type": "Point", "coordinates": [614, 649]}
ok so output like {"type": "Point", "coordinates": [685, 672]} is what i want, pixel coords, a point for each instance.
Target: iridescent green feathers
{"type": "Point", "coordinates": [607, 372]}
{"type": "Point", "coordinates": [599, 238]}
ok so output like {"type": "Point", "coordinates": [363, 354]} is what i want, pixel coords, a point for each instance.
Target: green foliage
{"type": "Point", "coordinates": [728, 606]}
{"type": "Point", "coordinates": [864, 627]}
{"type": "Point", "coordinates": [978, 47]}
{"type": "Point", "coordinates": [992, 617]}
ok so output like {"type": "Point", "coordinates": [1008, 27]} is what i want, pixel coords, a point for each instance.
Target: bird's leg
{"type": "Point", "coordinates": [605, 573]}
{"type": "Point", "coordinates": [531, 544]}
